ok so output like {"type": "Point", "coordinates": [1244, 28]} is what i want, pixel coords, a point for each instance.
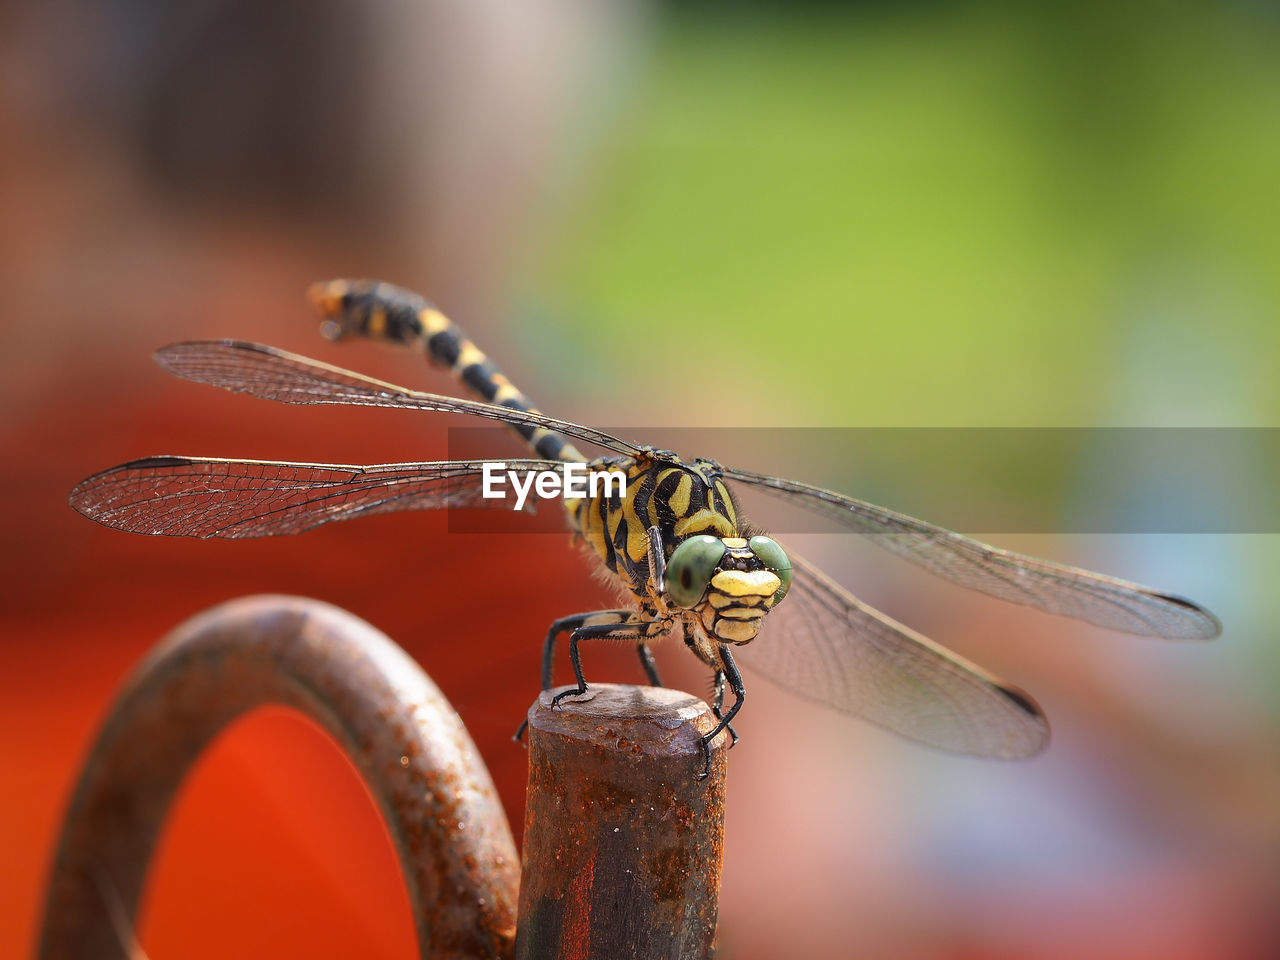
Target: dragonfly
{"type": "Point", "coordinates": [672, 540]}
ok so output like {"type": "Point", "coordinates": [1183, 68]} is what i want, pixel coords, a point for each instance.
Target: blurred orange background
{"type": "Point", "coordinates": [950, 214]}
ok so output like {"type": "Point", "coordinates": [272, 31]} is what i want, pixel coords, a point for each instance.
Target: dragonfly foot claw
{"type": "Point", "coordinates": [555, 701]}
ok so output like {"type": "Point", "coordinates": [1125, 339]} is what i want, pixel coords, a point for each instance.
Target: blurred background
{"type": "Point", "coordinates": [938, 214]}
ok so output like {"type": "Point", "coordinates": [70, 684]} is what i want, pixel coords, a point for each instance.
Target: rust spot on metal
{"type": "Point", "coordinates": [672, 868]}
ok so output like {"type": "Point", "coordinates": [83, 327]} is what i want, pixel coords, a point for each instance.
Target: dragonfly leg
{"type": "Point", "coordinates": [563, 624]}
{"type": "Point", "coordinates": [657, 561]}
{"type": "Point", "coordinates": [647, 661]}
{"type": "Point", "coordinates": [717, 701]}
{"type": "Point", "coordinates": [658, 575]}
{"type": "Point", "coordinates": [632, 630]}
{"type": "Point", "coordinates": [739, 694]}
{"type": "Point", "coordinates": [717, 706]}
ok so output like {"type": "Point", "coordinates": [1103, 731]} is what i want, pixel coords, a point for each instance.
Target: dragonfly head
{"type": "Point", "coordinates": [729, 582]}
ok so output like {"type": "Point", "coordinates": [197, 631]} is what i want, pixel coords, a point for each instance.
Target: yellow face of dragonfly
{"type": "Point", "coordinates": [730, 583]}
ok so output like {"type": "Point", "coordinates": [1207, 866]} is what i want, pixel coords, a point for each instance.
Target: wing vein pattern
{"type": "Point", "coordinates": [826, 645]}
{"type": "Point", "coordinates": [274, 374]}
{"type": "Point", "coordinates": [209, 497]}
{"type": "Point", "coordinates": [1052, 587]}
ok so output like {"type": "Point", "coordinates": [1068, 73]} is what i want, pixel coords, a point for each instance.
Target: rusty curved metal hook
{"type": "Point", "coordinates": [452, 839]}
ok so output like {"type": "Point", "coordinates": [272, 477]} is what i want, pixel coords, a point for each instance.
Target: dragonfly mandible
{"type": "Point", "coordinates": [675, 543]}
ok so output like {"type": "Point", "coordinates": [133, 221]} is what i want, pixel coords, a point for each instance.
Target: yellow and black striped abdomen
{"type": "Point", "coordinates": [381, 311]}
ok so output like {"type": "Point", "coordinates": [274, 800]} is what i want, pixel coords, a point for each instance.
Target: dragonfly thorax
{"type": "Point", "coordinates": [681, 499]}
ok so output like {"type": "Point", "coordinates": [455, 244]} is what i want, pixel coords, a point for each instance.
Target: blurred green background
{"type": "Point", "coordinates": [944, 213]}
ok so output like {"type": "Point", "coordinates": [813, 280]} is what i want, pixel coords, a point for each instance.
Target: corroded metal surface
{"type": "Point", "coordinates": [623, 841]}
{"type": "Point", "coordinates": [452, 839]}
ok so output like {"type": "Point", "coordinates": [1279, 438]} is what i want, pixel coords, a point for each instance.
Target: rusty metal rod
{"type": "Point", "coordinates": [622, 841]}
{"type": "Point", "coordinates": [452, 839]}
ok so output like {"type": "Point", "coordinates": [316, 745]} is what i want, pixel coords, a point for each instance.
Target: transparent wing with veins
{"type": "Point", "coordinates": [824, 644]}
{"type": "Point", "coordinates": [1052, 587]}
{"type": "Point", "coordinates": [274, 374]}
{"type": "Point", "coordinates": [208, 497]}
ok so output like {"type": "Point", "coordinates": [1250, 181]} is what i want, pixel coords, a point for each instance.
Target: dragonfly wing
{"type": "Point", "coordinates": [274, 374]}
{"type": "Point", "coordinates": [824, 644]}
{"type": "Point", "coordinates": [206, 497]}
{"type": "Point", "coordinates": [1053, 587]}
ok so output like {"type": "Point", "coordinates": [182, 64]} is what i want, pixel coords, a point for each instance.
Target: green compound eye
{"type": "Point", "coordinates": [771, 554]}
{"type": "Point", "coordinates": [690, 568]}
